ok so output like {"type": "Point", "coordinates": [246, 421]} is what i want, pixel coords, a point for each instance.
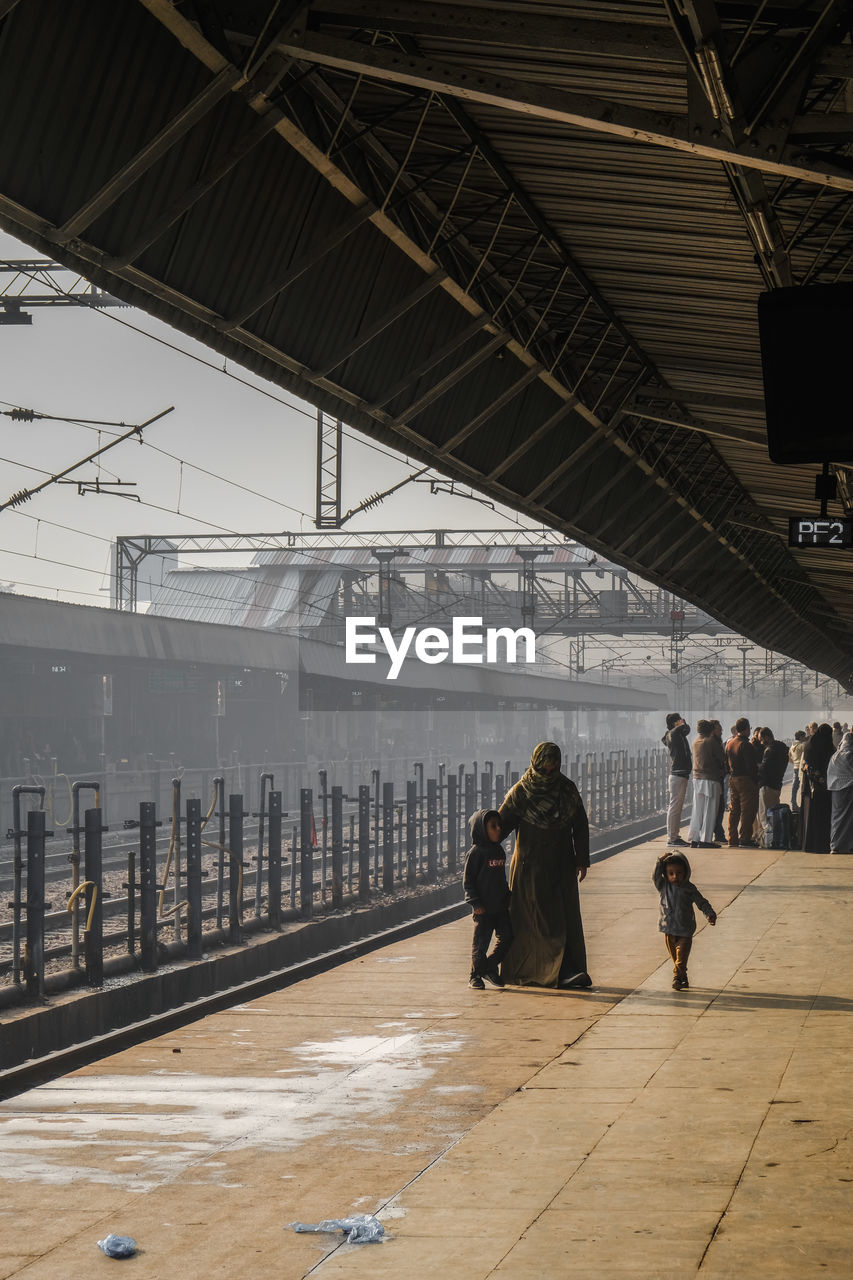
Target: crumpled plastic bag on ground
{"type": "Point", "coordinates": [362, 1229]}
{"type": "Point", "coordinates": [118, 1246]}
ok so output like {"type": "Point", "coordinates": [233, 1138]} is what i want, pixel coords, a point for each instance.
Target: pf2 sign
{"type": "Point", "coordinates": [819, 531]}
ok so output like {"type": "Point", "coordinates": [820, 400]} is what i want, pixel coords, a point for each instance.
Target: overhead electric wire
{"type": "Point", "coordinates": [263, 391]}
{"type": "Point", "coordinates": [347, 432]}
{"type": "Point", "coordinates": [24, 495]}
{"type": "Point", "coordinates": [319, 603]}
{"type": "Point", "coordinates": [322, 561]}
{"type": "Point", "coordinates": [91, 424]}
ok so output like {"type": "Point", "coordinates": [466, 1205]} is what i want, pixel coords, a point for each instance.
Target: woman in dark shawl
{"type": "Point", "coordinates": [818, 816]}
{"type": "Point", "coordinates": [551, 856]}
{"type": "Point", "coordinates": [839, 780]}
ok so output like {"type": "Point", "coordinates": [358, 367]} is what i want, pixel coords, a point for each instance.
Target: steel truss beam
{"type": "Point", "coordinates": [504, 193]}
{"type": "Point", "coordinates": [567, 596]}
{"type": "Point", "coordinates": [763, 200]}
{"type": "Point", "coordinates": [581, 111]}
{"type": "Point", "coordinates": [504, 27]}
{"type": "Point", "coordinates": [739, 84]}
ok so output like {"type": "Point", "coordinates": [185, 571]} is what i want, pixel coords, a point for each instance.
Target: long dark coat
{"type": "Point", "coordinates": [548, 939]}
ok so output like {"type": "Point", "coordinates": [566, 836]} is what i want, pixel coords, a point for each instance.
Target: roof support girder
{"type": "Point", "coordinates": [582, 111]}
{"type": "Point", "coordinates": [513, 29]}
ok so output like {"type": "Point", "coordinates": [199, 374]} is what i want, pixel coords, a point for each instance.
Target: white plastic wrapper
{"type": "Point", "coordinates": [118, 1246]}
{"type": "Point", "coordinates": [362, 1229]}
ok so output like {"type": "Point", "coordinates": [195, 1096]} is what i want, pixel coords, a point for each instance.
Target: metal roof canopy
{"type": "Point", "coordinates": [523, 242]}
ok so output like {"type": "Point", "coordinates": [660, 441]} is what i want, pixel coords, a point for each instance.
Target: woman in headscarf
{"type": "Point", "coordinates": [551, 856]}
{"type": "Point", "coordinates": [839, 780]}
{"type": "Point", "coordinates": [817, 754]}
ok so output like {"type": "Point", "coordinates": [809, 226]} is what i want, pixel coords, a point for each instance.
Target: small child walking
{"type": "Point", "coordinates": [678, 897]}
{"type": "Point", "coordinates": [486, 889]}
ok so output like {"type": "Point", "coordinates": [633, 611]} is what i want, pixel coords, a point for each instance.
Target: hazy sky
{"type": "Point", "coordinates": [80, 363]}
{"type": "Point", "coordinates": [228, 429]}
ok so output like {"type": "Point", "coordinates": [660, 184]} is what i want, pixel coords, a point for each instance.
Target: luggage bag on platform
{"type": "Point", "coordinates": [779, 827]}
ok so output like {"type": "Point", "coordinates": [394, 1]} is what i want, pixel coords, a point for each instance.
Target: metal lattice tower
{"type": "Point", "coordinates": [329, 439]}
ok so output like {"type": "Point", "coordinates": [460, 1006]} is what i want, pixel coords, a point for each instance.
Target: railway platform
{"type": "Point", "coordinates": [625, 1131]}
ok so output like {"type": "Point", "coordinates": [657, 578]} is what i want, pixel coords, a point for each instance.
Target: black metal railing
{"type": "Point", "coordinates": [225, 875]}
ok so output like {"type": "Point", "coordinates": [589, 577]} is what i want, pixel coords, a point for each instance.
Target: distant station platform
{"type": "Point", "coordinates": [629, 1130]}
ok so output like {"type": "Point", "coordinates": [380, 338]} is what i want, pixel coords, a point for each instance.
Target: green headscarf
{"type": "Point", "coordinates": [550, 798]}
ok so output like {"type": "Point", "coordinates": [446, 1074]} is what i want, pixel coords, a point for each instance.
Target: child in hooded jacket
{"type": "Point", "coordinates": [486, 889]}
{"type": "Point", "coordinates": [678, 898]}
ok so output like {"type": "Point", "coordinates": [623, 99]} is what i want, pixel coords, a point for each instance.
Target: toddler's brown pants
{"type": "Point", "coordinates": [679, 950]}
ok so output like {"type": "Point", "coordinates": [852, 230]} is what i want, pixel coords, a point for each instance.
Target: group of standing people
{"type": "Point", "coordinates": [535, 919]}
{"type": "Point", "coordinates": [822, 756]}
{"type": "Point", "coordinates": [751, 768]}
{"type": "Point", "coordinates": [535, 916]}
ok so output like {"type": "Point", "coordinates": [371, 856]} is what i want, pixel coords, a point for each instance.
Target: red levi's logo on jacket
{"type": "Point", "coordinates": [497, 862]}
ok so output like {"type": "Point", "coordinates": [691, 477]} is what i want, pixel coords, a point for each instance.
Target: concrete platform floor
{"type": "Point", "coordinates": [627, 1131]}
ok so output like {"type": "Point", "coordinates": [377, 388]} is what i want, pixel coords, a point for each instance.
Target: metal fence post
{"type": "Point", "coordinates": [432, 829]}
{"type": "Point", "coordinates": [364, 842]}
{"type": "Point", "coordinates": [34, 947]}
{"type": "Point", "coordinates": [323, 797]}
{"type": "Point", "coordinates": [399, 810]}
{"type": "Point", "coordinates": [411, 834]}
{"type": "Point", "coordinates": [18, 873]}
{"type": "Point", "coordinates": [470, 796]}
{"type": "Point", "coordinates": [377, 789]}
{"type": "Point", "coordinates": [74, 859]}
{"type": "Point", "coordinates": [194, 879]}
{"type": "Point", "coordinates": [485, 791]}
{"type": "Point", "coordinates": [337, 847]}
{"type": "Point", "coordinates": [262, 804]}
{"type": "Point", "coordinates": [94, 933]}
{"type": "Point", "coordinates": [176, 845]}
{"type": "Point", "coordinates": [442, 788]}
{"type": "Point", "coordinates": [388, 837]}
{"type": "Point", "coordinates": [131, 888]}
{"type": "Point", "coordinates": [274, 863]}
{"type": "Point", "coordinates": [148, 885]}
{"type": "Point", "coordinates": [235, 866]}
{"type": "Point", "coordinates": [452, 822]}
{"type": "Point", "coordinates": [609, 797]}
{"type": "Point", "coordinates": [419, 771]}
{"type": "Point", "coordinates": [306, 841]}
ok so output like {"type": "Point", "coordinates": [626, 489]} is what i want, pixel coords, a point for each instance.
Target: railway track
{"type": "Point", "coordinates": [58, 924]}
{"type": "Point", "coordinates": [116, 906]}
{"type": "Point", "coordinates": [119, 846]}
{"type": "Point", "coordinates": [115, 854]}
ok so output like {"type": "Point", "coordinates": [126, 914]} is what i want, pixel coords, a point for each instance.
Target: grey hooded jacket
{"type": "Point", "coordinates": [677, 902]}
